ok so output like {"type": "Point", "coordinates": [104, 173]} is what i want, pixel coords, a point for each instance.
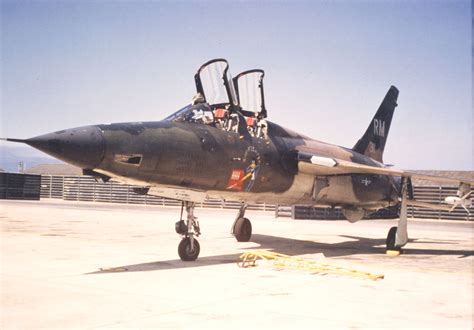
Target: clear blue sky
{"type": "Point", "coordinates": [328, 66]}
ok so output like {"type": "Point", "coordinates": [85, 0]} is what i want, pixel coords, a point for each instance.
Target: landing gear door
{"type": "Point", "coordinates": [249, 88]}
{"type": "Point", "coordinates": [214, 82]}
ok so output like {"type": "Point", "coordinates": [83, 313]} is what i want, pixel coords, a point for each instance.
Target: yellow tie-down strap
{"type": "Point", "coordinates": [283, 261]}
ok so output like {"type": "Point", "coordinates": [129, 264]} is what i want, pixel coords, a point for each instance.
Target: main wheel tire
{"type": "Point", "coordinates": [391, 238]}
{"type": "Point", "coordinates": [185, 252]}
{"type": "Point", "coordinates": [243, 230]}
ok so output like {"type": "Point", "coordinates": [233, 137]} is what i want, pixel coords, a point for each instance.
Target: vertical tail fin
{"type": "Point", "coordinates": [372, 143]}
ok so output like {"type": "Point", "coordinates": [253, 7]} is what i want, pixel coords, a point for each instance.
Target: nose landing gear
{"type": "Point", "coordinates": [188, 248]}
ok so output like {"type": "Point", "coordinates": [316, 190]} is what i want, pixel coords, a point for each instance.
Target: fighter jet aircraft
{"type": "Point", "coordinates": [222, 146]}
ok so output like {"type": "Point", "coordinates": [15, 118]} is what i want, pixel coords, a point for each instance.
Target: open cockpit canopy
{"type": "Point", "coordinates": [214, 83]}
{"type": "Point", "coordinates": [249, 88]}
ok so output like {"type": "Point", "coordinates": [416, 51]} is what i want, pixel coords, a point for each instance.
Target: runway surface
{"type": "Point", "coordinates": [52, 253]}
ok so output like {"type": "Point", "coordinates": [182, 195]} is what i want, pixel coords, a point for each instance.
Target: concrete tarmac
{"type": "Point", "coordinates": [56, 258]}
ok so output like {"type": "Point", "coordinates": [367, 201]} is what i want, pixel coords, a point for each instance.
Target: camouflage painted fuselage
{"type": "Point", "coordinates": [226, 165]}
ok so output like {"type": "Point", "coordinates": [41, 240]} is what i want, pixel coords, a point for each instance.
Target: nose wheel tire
{"type": "Point", "coordinates": [243, 230]}
{"type": "Point", "coordinates": [185, 252]}
{"type": "Point", "coordinates": [391, 238]}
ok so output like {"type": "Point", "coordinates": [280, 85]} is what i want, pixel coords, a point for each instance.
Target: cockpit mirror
{"type": "Point", "coordinates": [249, 89]}
{"type": "Point", "coordinates": [214, 83]}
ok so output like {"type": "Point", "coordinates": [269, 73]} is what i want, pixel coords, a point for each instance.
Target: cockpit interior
{"type": "Point", "coordinates": [230, 104]}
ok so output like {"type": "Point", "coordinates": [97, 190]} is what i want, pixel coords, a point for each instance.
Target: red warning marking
{"type": "Point", "coordinates": [235, 181]}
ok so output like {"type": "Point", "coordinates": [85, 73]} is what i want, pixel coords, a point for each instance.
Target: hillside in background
{"type": "Point", "coordinates": [466, 175]}
{"type": "Point", "coordinates": [10, 156]}
{"type": "Point", "coordinates": [54, 169]}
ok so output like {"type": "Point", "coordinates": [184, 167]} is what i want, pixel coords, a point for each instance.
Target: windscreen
{"type": "Point", "coordinates": [250, 96]}
{"type": "Point", "coordinates": [179, 114]}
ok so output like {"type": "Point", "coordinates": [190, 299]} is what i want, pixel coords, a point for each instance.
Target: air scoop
{"type": "Point", "coordinates": [83, 146]}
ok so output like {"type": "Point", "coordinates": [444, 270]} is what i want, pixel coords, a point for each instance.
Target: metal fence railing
{"type": "Point", "coordinates": [19, 186]}
{"type": "Point", "coordinates": [86, 188]}
{"type": "Point", "coordinates": [437, 194]}
{"type": "Point", "coordinates": [429, 194]}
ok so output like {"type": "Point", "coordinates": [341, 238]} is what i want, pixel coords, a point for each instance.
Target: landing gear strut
{"type": "Point", "coordinates": [188, 248]}
{"type": "Point", "coordinates": [398, 236]}
{"type": "Point", "coordinates": [242, 227]}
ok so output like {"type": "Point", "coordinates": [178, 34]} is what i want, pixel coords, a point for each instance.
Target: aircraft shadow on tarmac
{"type": "Point", "coordinates": [353, 246]}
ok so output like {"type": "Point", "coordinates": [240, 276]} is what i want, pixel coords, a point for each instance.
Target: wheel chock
{"type": "Point", "coordinates": [393, 253]}
{"type": "Point", "coordinates": [282, 261]}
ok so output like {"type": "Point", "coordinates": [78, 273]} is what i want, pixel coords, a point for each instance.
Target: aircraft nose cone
{"type": "Point", "coordinates": [83, 146]}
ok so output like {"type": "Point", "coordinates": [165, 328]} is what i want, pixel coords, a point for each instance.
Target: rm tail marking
{"type": "Point", "coordinates": [379, 127]}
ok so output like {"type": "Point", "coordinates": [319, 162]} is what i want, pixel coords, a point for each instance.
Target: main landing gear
{"type": "Point", "coordinates": [398, 236]}
{"type": "Point", "coordinates": [242, 227]}
{"type": "Point", "coordinates": [390, 241]}
{"type": "Point", "coordinates": [188, 248]}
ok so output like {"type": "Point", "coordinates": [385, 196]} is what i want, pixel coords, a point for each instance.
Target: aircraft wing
{"type": "Point", "coordinates": [320, 165]}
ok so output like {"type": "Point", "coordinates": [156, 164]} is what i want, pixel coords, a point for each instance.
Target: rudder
{"type": "Point", "coordinates": [372, 143]}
